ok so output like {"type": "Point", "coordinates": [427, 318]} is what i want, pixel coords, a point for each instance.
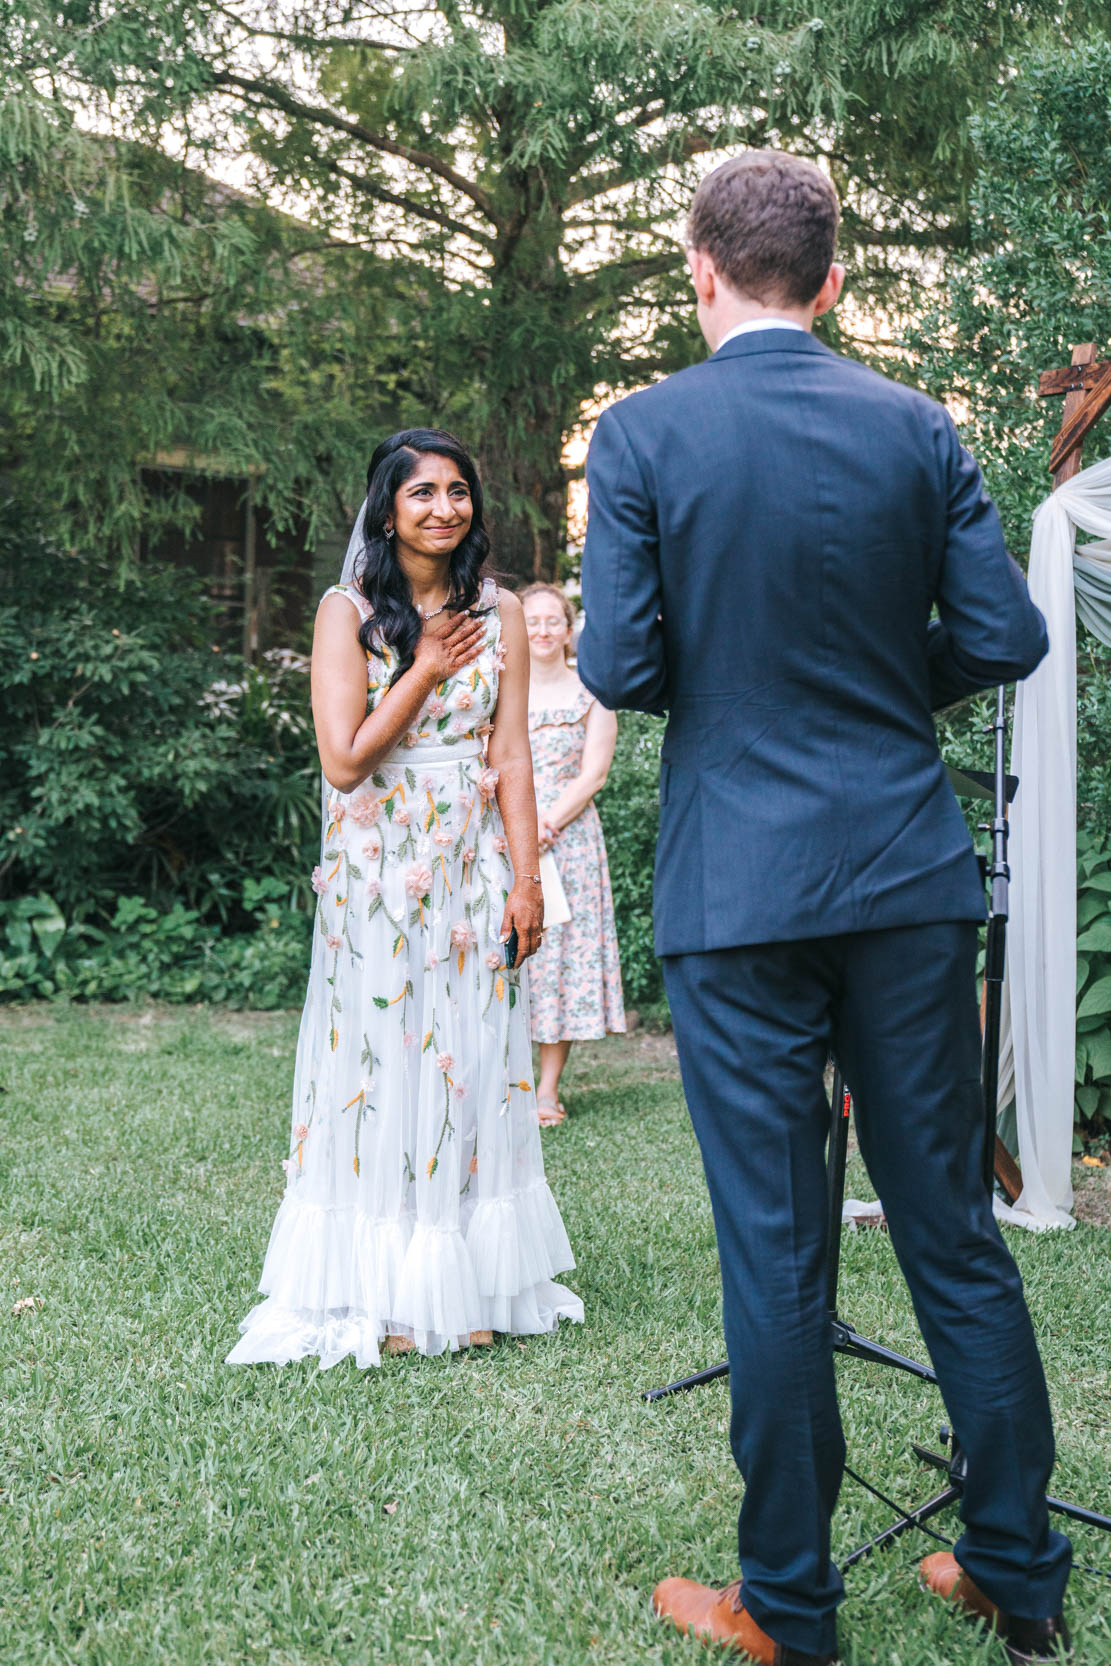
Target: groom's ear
{"type": "Point", "coordinates": [830, 291]}
{"type": "Point", "coordinates": [703, 276]}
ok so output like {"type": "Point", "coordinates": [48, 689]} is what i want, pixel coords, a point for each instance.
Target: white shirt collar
{"type": "Point", "coordinates": [767, 323]}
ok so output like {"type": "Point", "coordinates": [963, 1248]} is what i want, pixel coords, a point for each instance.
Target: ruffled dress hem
{"type": "Point", "coordinates": [338, 1281]}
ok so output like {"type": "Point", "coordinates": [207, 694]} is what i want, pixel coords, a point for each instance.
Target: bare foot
{"type": "Point", "coordinates": [550, 1112]}
{"type": "Point", "coordinates": [481, 1339]}
{"type": "Point", "coordinates": [398, 1345]}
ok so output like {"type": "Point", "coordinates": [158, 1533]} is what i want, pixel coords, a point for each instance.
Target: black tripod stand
{"type": "Point", "coordinates": [1000, 788]}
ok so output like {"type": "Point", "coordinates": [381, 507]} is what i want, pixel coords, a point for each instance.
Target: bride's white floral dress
{"type": "Point", "coordinates": [415, 1202]}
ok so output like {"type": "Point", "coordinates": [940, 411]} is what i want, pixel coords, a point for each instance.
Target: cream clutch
{"type": "Point", "coordinates": [556, 909]}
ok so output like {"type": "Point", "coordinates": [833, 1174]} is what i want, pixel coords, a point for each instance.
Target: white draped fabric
{"type": "Point", "coordinates": [1038, 1045]}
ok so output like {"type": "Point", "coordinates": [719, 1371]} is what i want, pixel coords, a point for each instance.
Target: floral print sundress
{"type": "Point", "coordinates": [415, 1201]}
{"type": "Point", "coordinates": [575, 976]}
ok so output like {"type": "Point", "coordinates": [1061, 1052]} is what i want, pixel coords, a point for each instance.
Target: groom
{"type": "Point", "coordinates": [768, 534]}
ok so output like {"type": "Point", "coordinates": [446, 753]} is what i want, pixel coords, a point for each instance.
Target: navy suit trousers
{"type": "Point", "coordinates": [753, 1027]}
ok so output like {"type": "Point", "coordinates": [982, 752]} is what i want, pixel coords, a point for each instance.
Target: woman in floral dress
{"type": "Point", "coordinates": [576, 976]}
{"type": "Point", "coordinates": [416, 1212]}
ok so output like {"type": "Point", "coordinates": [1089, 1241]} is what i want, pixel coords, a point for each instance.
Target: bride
{"type": "Point", "coordinates": [416, 1212]}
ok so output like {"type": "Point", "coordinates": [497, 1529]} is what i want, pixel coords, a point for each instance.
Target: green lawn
{"type": "Point", "coordinates": [512, 1505]}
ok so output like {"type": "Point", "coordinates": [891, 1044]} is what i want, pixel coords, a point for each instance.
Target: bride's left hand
{"type": "Point", "coordinates": [524, 909]}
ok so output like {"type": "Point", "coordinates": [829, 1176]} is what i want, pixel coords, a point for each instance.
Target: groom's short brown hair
{"type": "Point", "coordinates": [768, 221]}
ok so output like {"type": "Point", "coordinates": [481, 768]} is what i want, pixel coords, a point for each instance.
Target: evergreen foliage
{"type": "Point", "coordinates": [146, 310]}
{"type": "Point", "coordinates": [524, 165]}
{"type": "Point", "coordinates": [1036, 279]}
{"type": "Point", "coordinates": [160, 802]}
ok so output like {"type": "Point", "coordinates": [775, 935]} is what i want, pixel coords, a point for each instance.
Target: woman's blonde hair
{"type": "Point", "coordinates": [568, 607]}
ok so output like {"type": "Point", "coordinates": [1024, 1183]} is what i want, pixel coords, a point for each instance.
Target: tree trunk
{"type": "Point", "coordinates": [532, 365]}
{"type": "Point", "coordinates": [527, 497]}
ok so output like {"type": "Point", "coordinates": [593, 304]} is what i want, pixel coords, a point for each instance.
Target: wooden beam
{"type": "Point", "coordinates": [1086, 385]}
{"type": "Point", "coordinates": [1007, 1171]}
{"type": "Point", "coordinates": [1068, 379]}
{"type": "Point", "coordinates": [180, 459]}
{"type": "Point", "coordinates": [1091, 402]}
{"type": "Point", "coordinates": [1082, 355]}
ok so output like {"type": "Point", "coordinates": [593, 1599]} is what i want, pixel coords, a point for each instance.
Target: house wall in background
{"type": "Point", "coordinates": [265, 582]}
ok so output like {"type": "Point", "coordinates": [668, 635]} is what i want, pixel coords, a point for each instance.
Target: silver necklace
{"type": "Point", "coordinates": [436, 611]}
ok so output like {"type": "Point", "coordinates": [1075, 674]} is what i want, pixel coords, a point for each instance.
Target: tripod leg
{"type": "Point", "coordinates": [996, 941]}
{"type": "Point", "coordinates": [914, 1518]}
{"type": "Point", "coordinates": [680, 1386]}
{"type": "Point", "coordinates": [836, 1158]}
{"type": "Point", "coordinates": [994, 958]}
{"type": "Point", "coordinates": [848, 1341]}
{"type": "Point", "coordinates": [1077, 1512]}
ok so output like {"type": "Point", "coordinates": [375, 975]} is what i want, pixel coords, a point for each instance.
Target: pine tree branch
{"type": "Point", "coordinates": [614, 280]}
{"type": "Point", "coordinates": [278, 99]}
{"type": "Point", "coordinates": [295, 38]}
{"type": "Point", "coordinates": [155, 306]}
{"type": "Point", "coordinates": [903, 236]}
{"type": "Point", "coordinates": [424, 211]}
{"type": "Point", "coordinates": [639, 371]}
{"type": "Point", "coordinates": [647, 114]}
{"type": "Point", "coordinates": [647, 162]}
{"type": "Point", "coordinates": [627, 120]}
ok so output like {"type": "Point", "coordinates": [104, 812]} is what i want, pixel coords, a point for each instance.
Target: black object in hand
{"type": "Point", "coordinates": [511, 950]}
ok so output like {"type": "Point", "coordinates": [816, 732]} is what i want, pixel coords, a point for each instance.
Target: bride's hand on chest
{"type": "Point", "coordinates": [446, 645]}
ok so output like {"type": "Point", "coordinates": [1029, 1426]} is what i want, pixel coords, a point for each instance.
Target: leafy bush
{"type": "Point", "coordinates": [629, 806]}
{"type": "Point", "coordinates": [1093, 984]}
{"type": "Point", "coordinates": [142, 953]}
{"type": "Point", "coordinates": [127, 767]}
{"type": "Point", "coordinates": [1035, 276]}
{"type": "Point", "coordinates": [148, 811]}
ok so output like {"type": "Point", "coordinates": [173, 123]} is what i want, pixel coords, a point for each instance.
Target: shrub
{"type": "Point", "coordinates": [149, 811]}
{"type": "Point", "coordinates": [1093, 985]}
{"type": "Point", "coordinates": [128, 767]}
{"type": "Point", "coordinates": [143, 953]}
{"type": "Point", "coordinates": [629, 806]}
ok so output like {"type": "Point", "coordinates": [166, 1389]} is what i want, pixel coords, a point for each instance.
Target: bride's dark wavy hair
{"type": "Point", "coordinates": [395, 621]}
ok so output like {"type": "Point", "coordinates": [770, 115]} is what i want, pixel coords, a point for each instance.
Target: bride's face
{"type": "Point", "coordinates": [432, 510]}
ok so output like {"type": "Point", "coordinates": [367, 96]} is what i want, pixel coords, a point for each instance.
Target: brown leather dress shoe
{"type": "Point", "coordinates": [1026, 1641]}
{"type": "Point", "coordinates": [721, 1617]}
{"type": "Point", "coordinates": [942, 1574]}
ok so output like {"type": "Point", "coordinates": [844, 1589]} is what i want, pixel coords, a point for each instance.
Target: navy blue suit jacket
{"type": "Point", "coordinates": [768, 534]}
